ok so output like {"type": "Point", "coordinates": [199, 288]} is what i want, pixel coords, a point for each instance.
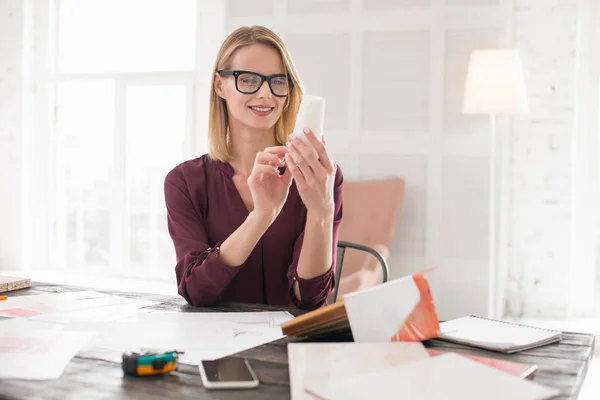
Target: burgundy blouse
{"type": "Point", "coordinates": [204, 208]}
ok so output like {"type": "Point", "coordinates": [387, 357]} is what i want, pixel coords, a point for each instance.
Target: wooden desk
{"type": "Point", "coordinates": [562, 365]}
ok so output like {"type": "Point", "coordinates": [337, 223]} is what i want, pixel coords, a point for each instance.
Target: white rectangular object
{"type": "Point", "coordinates": [376, 313]}
{"type": "Point", "coordinates": [310, 115]}
{"type": "Point", "coordinates": [444, 377]}
{"type": "Point", "coordinates": [328, 363]}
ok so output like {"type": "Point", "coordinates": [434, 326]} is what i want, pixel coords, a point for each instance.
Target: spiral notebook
{"type": "Point", "coordinates": [503, 336]}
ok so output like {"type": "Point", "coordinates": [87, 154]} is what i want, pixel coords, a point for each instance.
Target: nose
{"type": "Point", "coordinates": [264, 91]}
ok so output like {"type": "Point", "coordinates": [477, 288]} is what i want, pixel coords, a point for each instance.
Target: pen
{"type": "Point", "coordinates": [2, 297]}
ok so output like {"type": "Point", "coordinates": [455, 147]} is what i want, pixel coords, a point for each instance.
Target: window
{"type": "Point", "coordinates": [124, 91]}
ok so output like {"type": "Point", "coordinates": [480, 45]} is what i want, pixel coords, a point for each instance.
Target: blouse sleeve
{"type": "Point", "coordinates": [201, 276]}
{"type": "Point", "coordinates": [315, 291]}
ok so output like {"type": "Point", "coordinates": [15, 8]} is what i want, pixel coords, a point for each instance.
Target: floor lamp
{"type": "Point", "coordinates": [495, 85]}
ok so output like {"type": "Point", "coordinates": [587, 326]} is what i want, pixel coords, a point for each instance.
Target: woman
{"type": "Point", "coordinates": [257, 219]}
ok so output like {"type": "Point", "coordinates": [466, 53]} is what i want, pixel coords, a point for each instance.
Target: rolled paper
{"type": "Point", "coordinates": [310, 115]}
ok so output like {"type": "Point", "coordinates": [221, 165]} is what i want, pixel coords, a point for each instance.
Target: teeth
{"type": "Point", "coordinates": [261, 109]}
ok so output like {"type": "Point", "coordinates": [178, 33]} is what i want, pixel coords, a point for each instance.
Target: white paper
{"type": "Point", "coordinates": [118, 311]}
{"type": "Point", "coordinates": [328, 363]}
{"type": "Point", "coordinates": [375, 314]}
{"type": "Point", "coordinates": [202, 336]}
{"type": "Point", "coordinates": [23, 301]}
{"type": "Point", "coordinates": [448, 376]}
{"type": "Point", "coordinates": [73, 306]}
{"type": "Point", "coordinates": [310, 115]}
{"type": "Point", "coordinates": [36, 350]}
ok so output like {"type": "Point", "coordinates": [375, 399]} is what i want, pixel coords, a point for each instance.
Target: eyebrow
{"type": "Point", "coordinates": [256, 72]}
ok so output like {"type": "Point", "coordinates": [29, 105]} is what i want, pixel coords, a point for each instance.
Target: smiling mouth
{"type": "Point", "coordinates": [261, 109]}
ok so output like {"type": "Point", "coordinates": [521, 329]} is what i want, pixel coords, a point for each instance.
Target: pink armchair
{"type": "Point", "coordinates": [371, 212]}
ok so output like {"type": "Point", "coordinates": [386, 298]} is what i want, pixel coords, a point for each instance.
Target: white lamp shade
{"type": "Point", "coordinates": [495, 83]}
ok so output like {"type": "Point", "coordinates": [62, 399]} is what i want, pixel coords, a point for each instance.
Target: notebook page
{"type": "Point", "coordinates": [495, 333]}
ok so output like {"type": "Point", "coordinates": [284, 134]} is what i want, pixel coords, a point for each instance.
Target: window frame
{"type": "Point", "coordinates": [44, 226]}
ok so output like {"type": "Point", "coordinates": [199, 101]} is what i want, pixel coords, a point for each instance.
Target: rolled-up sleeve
{"type": "Point", "coordinates": [315, 291]}
{"type": "Point", "coordinates": [201, 276]}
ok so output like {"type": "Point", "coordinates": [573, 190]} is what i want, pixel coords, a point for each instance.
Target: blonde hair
{"type": "Point", "coordinates": [218, 124]}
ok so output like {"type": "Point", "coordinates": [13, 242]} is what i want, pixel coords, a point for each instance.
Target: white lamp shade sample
{"type": "Point", "coordinates": [310, 115]}
{"type": "Point", "coordinates": [495, 83]}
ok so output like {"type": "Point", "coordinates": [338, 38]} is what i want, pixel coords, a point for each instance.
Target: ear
{"type": "Point", "coordinates": [219, 85]}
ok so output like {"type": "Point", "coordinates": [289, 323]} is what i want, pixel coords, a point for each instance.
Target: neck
{"type": "Point", "coordinates": [245, 143]}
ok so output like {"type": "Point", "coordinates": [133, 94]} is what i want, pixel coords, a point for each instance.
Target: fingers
{"type": "Point", "coordinates": [302, 165]}
{"type": "Point", "coordinates": [261, 169]}
{"type": "Point", "coordinates": [295, 171]}
{"type": "Point", "coordinates": [269, 159]}
{"type": "Point", "coordinates": [319, 146]}
{"type": "Point", "coordinates": [278, 150]}
{"type": "Point", "coordinates": [306, 159]}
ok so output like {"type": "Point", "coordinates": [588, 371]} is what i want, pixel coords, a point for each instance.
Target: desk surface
{"type": "Point", "coordinates": [562, 365]}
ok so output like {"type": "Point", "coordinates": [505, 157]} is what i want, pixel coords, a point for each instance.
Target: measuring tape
{"type": "Point", "coordinates": [150, 362]}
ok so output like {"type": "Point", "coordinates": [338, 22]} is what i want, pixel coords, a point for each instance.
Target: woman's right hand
{"type": "Point", "coordinates": [269, 189]}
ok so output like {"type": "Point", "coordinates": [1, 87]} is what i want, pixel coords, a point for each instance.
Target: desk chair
{"type": "Point", "coordinates": [341, 250]}
{"type": "Point", "coordinates": [371, 213]}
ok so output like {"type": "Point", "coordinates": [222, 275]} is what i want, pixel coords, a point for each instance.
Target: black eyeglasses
{"type": "Point", "coordinates": [248, 82]}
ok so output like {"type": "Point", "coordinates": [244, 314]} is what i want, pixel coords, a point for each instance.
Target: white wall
{"type": "Point", "coordinates": [11, 24]}
{"type": "Point", "coordinates": [393, 74]}
{"type": "Point", "coordinates": [542, 174]}
{"type": "Point", "coordinates": [411, 126]}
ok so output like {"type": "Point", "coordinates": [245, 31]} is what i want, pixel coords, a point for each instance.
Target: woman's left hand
{"type": "Point", "coordinates": [313, 171]}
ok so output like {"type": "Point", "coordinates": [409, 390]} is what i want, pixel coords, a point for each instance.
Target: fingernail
{"type": "Point", "coordinates": [306, 130]}
{"type": "Point", "coordinates": [288, 144]}
{"type": "Point", "coordinates": [293, 135]}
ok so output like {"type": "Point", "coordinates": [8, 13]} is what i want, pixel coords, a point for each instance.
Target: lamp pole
{"type": "Point", "coordinates": [493, 273]}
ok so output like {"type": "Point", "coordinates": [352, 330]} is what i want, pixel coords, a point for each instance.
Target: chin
{"type": "Point", "coordinates": [261, 127]}
{"type": "Point", "coordinates": [261, 122]}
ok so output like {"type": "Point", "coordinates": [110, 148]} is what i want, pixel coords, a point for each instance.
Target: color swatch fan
{"type": "Point", "coordinates": [399, 310]}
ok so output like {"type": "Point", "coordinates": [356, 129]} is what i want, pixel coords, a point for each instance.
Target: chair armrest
{"type": "Point", "coordinates": [381, 260]}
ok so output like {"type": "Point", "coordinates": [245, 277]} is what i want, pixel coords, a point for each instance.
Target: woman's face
{"type": "Point", "coordinates": [262, 109]}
